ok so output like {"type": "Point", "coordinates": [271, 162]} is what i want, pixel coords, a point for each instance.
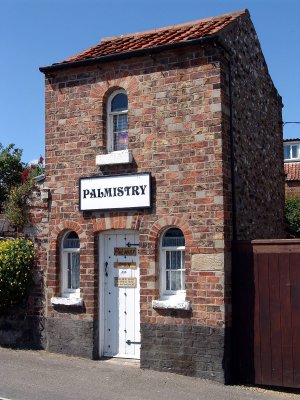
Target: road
{"type": "Point", "coordinates": [38, 375]}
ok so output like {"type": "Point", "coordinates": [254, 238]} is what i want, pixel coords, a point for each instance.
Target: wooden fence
{"type": "Point", "coordinates": [266, 312]}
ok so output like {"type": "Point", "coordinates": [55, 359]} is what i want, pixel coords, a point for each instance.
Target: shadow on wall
{"type": "Point", "coordinates": [18, 330]}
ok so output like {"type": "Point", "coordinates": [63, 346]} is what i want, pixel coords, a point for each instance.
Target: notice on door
{"type": "Point", "coordinates": [125, 282]}
{"type": "Point", "coordinates": [125, 265]}
{"type": "Point", "coordinates": [125, 251]}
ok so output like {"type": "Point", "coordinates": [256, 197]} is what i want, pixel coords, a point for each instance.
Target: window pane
{"type": "Point", "coordinates": [120, 127]}
{"type": "Point", "coordinates": [69, 270]}
{"type": "Point", "coordinates": [182, 259]}
{"type": "Point", "coordinates": [121, 141]}
{"type": "Point", "coordinates": [286, 152]}
{"type": "Point", "coordinates": [295, 151]}
{"type": "Point", "coordinates": [176, 260]}
{"type": "Point", "coordinates": [71, 241]}
{"type": "Point", "coordinates": [183, 280]}
{"type": "Point", "coordinates": [73, 271]}
{"type": "Point", "coordinates": [167, 259]}
{"type": "Point", "coordinates": [119, 102]}
{"type": "Point", "coordinates": [175, 280]}
{"type": "Point", "coordinates": [120, 123]}
{"type": "Point", "coordinates": [168, 280]}
{"type": "Point", "coordinates": [173, 237]}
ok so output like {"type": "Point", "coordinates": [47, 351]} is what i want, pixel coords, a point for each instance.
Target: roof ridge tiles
{"type": "Point", "coordinates": [174, 27]}
{"type": "Point", "coordinates": [170, 35]}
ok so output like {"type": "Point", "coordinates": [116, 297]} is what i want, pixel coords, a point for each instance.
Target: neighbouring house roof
{"type": "Point", "coordinates": [291, 140]}
{"type": "Point", "coordinates": [292, 171]}
{"type": "Point", "coordinates": [153, 39]}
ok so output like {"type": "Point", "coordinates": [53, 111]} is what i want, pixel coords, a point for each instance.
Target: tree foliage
{"type": "Point", "coordinates": [292, 216]}
{"type": "Point", "coordinates": [11, 169]}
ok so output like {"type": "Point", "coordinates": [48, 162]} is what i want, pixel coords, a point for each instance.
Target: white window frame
{"type": "Point", "coordinates": [110, 114]}
{"type": "Point", "coordinates": [290, 145]}
{"type": "Point", "coordinates": [174, 295]}
{"type": "Point", "coordinates": [65, 291]}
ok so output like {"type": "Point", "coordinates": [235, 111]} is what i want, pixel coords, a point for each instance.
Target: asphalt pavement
{"type": "Point", "coordinates": [39, 375]}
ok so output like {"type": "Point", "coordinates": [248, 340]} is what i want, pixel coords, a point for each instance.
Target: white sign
{"type": "Point", "coordinates": [115, 192]}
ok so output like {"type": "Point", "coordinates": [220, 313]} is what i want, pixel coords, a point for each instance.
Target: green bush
{"type": "Point", "coordinates": [16, 206]}
{"type": "Point", "coordinates": [292, 216]}
{"type": "Point", "coordinates": [16, 271]}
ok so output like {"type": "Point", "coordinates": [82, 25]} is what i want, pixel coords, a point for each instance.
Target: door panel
{"type": "Point", "coordinates": [121, 296]}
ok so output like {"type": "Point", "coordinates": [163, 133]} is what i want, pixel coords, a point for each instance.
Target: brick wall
{"type": "Point", "coordinates": [24, 325]}
{"type": "Point", "coordinates": [179, 130]}
{"type": "Point", "coordinates": [176, 134]}
{"type": "Point", "coordinates": [258, 139]}
{"type": "Point", "coordinates": [292, 188]}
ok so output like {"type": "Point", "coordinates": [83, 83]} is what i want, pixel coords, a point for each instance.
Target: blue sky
{"type": "Point", "coordinates": [36, 33]}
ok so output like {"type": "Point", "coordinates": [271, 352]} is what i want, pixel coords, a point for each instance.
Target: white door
{"type": "Point", "coordinates": [121, 294]}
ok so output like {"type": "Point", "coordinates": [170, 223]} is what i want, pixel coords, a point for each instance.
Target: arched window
{"type": "Point", "coordinates": [173, 263]}
{"type": "Point", "coordinates": [117, 121]}
{"type": "Point", "coordinates": [70, 265]}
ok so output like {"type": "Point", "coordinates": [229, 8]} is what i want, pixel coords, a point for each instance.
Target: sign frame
{"type": "Point", "coordinates": [148, 200]}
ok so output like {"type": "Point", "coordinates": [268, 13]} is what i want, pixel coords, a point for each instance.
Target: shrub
{"type": "Point", "coordinates": [292, 216]}
{"type": "Point", "coordinates": [16, 271]}
{"type": "Point", "coordinates": [16, 207]}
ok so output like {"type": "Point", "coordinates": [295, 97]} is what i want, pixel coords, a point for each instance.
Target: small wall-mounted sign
{"type": "Point", "coordinates": [115, 192]}
{"type": "Point", "coordinates": [125, 265]}
{"type": "Point", "coordinates": [125, 282]}
{"type": "Point", "coordinates": [125, 251]}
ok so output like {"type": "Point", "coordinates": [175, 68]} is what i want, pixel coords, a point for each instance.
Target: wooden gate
{"type": "Point", "coordinates": [266, 312]}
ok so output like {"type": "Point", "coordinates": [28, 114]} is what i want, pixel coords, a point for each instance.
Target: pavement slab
{"type": "Point", "coordinates": [39, 375]}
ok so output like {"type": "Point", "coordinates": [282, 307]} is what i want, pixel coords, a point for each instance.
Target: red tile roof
{"type": "Point", "coordinates": [292, 171]}
{"type": "Point", "coordinates": [158, 37]}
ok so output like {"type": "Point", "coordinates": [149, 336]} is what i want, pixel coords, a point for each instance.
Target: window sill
{"type": "Point", "coordinates": [115, 157]}
{"type": "Point", "coordinates": [175, 304]}
{"type": "Point", "coordinates": [66, 301]}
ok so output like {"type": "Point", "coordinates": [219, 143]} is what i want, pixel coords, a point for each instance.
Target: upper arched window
{"type": "Point", "coordinates": [173, 263]}
{"type": "Point", "coordinates": [70, 265]}
{"type": "Point", "coordinates": [117, 121]}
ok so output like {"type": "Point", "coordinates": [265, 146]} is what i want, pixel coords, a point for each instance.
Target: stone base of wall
{"type": "Point", "coordinates": [77, 338]}
{"type": "Point", "coordinates": [186, 349]}
{"type": "Point", "coordinates": [22, 332]}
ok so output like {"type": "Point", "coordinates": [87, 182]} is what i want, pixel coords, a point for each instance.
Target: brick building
{"type": "Point", "coordinates": [162, 147]}
{"type": "Point", "coordinates": [292, 167]}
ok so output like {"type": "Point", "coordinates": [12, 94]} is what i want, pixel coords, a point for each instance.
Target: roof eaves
{"type": "Point", "coordinates": [132, 53]}
{"type": "Point", "coordinates": [291, 140]}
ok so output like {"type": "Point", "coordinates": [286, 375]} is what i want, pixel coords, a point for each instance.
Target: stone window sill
{"type": "Point", "coordinates": [116, 157]}
{"type": "Point", "coordinates": [173, 304]}
{"type": "Point", "coordinates": [66, 301]}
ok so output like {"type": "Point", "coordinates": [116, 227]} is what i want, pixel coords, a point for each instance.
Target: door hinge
{"type": "Point", "coordinates": [132, 244]}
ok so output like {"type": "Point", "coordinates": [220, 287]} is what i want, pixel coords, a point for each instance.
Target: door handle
{"type": "Point", "coordinates": [106, 265]}
{"type": "Point", "coordinates": [130, 342]}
